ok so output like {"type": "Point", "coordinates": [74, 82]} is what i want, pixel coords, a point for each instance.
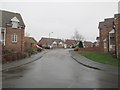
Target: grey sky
{"type": "Point", "coordinates": [62, 18]}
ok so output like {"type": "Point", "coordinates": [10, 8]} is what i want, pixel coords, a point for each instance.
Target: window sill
{"type": "Point", "coordinates": [14, 42]}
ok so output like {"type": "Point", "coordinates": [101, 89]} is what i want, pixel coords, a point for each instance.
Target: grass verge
{"type": "Point", "coordinates": [104, 58]}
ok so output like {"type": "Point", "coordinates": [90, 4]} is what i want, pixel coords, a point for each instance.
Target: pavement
{"type": "Point", "coordinates": [92, 64]}
{"type": "Point", "coordinates": [23, 61]}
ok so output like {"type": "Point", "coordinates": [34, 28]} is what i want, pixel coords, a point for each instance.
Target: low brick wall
{"type": "Point", "coordinates": [12, 57]}
{"type": "Point", "coordinates": [90, 49]}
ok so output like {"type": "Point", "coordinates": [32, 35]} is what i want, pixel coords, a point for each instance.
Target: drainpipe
{"type": "Point", "coordinates": [4, 36]}
{"type": "Point", "coordinates": [115, 42]}
{"type": "Point", "coordinates": [108, 42]}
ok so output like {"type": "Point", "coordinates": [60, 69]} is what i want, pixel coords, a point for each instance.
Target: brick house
{"type": "Point", "coordinates": [51, 42]}
{"type": "Point", "coordinates": [117, 31]}
{"type": "Point", "coordinates": [109, 31]}
{"type": "Point", "coordinates": [71, 43]}
{"type": "Point", "coordinates": [12, 30]}
{"type": "Point", "coordinates": [107, 35]}
{"type": "Point", "coordinates": [87, 44]}
{"type": "Point", "coordinates": [29, 42]}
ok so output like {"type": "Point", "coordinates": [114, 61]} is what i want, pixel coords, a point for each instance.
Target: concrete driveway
{"type": "Point", "coordinates": [57, 69]}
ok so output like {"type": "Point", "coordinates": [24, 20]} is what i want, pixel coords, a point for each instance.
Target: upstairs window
{"type": "Point", "coordinates": [54, 42]}
{"type": "Point", "coordinates": [14, 38]}
{"type": "Point", "coordinates": [15, 22]}
{"type": "Point", "coordinates": [60, 43]}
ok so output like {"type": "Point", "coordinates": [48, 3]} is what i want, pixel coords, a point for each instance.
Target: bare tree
{"type": "Point", "coordinates": [77, 36]}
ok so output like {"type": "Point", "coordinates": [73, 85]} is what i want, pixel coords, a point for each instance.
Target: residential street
{"type": "Point", "coordinates": [57, 69]}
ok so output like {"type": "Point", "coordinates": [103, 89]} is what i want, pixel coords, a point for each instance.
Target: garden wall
{"type": "Point", "coordinates": [90, 49]}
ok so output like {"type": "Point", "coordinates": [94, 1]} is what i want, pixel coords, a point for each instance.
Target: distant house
{"type": "Point", "coordinates": [29, 42]}
{"type": "Point", "coordinates": [71, 43]}
{"type": "Point", "coordinates": [97, 42]}
{"type": "Point", "coordinates": [12, 30]}
{"type": "Point", "coordinates": [51, 42]}
{"type": "Point", "coordinates": [87, 44]}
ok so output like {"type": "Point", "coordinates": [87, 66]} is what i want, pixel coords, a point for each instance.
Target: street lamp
{"type": "Point", "coordinates": [50, 33]}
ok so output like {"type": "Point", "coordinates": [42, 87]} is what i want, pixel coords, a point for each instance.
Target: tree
{"type": "Point", "coordinates": [80, 45]}
{"type": "Point", "coordinates": [77, 36]}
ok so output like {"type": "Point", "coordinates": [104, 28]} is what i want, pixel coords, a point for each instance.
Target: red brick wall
{"type": "Point", "coordinates": [60, 46]}
{"type": "Point", "coordinates": [19, 45]}
{"type": "Point", "coordinates": [42, 42]}
{"type": "Point", "coordinates": [88, 44]}
{"type": "Point", "coordinates": [117, 27]}
{"type": "Point", "coordinates": [119, 41]}
{"type": "Point", "coordinates": [104, 34]}
{"type": "Point", "coordinates": [90, 49]}
{"type": "Point", "coordinates": [55, 46]}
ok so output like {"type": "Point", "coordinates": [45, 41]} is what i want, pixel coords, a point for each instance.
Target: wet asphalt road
{"type": "Point", "coordinates": [56, 69]}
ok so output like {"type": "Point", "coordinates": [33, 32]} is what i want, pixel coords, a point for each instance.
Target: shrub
{"type": "Point", "coordinates": [39, 50]}
{"type": "Point", "coordinates": [30, 51]}
{"type": "Point", "coordinates": [76, 49]}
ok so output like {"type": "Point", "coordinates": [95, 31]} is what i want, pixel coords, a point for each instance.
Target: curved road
{"type": "Point", "coordinates": [56, 69]}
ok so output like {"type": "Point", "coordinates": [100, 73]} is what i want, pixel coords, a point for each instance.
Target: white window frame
{"type": "Point", "coordinates": [2, 37]}
{"type": "Point", "coordinates": [15, 22]}
{"type": "Point", "coordinates": [14, 38]}
{"type": "Point", "coordinates": [105, 44]}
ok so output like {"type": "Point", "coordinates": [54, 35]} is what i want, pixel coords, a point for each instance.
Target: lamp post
{"type": "Point", "coordinates": [50, 33]}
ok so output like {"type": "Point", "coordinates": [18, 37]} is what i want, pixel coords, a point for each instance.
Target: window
{"type": "Point", "coordinates": [14, 38]}
{"type": "Point", "coordinates": [105, 45]}
{"type": "Point", "coordinates": [60, 43]}
{"type": "Point", "coordinates": [54, 42]}
{"type": "Point", "coordinates": [15, 22]}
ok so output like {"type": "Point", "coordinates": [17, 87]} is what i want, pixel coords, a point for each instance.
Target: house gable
{"type": "Point", "coordinates": [7, 16]}
{"type": "Point", "coordinates": [13, 33]}
{"type": "Point", "coordinates": [15, 22]}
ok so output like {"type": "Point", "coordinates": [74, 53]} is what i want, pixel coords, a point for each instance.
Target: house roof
{"type": "Point", "coordinates": [116, 15]}
{"type": "Point", "coordinates": [101, 25]}
{"type": "Point", "coordinates": [30, 40]}
{"type": "Point", "coordinates": [69, 41]}
{"type": "Point", "coordinates": [51, 40]}
{"type": "Point", "coordinates": [6, 16]}
{"type": "Point", "coordinates": [107, 23]}
{"type": "Point", "coordinates": [87, 42]}
{"type": "Point", "coordinates": [117, 18]}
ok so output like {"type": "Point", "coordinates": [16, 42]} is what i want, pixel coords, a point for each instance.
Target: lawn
{"type": "Point", "coordinates": [104, 58]}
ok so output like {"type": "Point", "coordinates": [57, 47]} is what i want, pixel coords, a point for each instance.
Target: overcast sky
{"type": "Point", "coordinates": [62, 18]}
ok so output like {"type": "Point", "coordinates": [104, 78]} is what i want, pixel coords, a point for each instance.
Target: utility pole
{"type": "Point", "coordinates": [50, 33]}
